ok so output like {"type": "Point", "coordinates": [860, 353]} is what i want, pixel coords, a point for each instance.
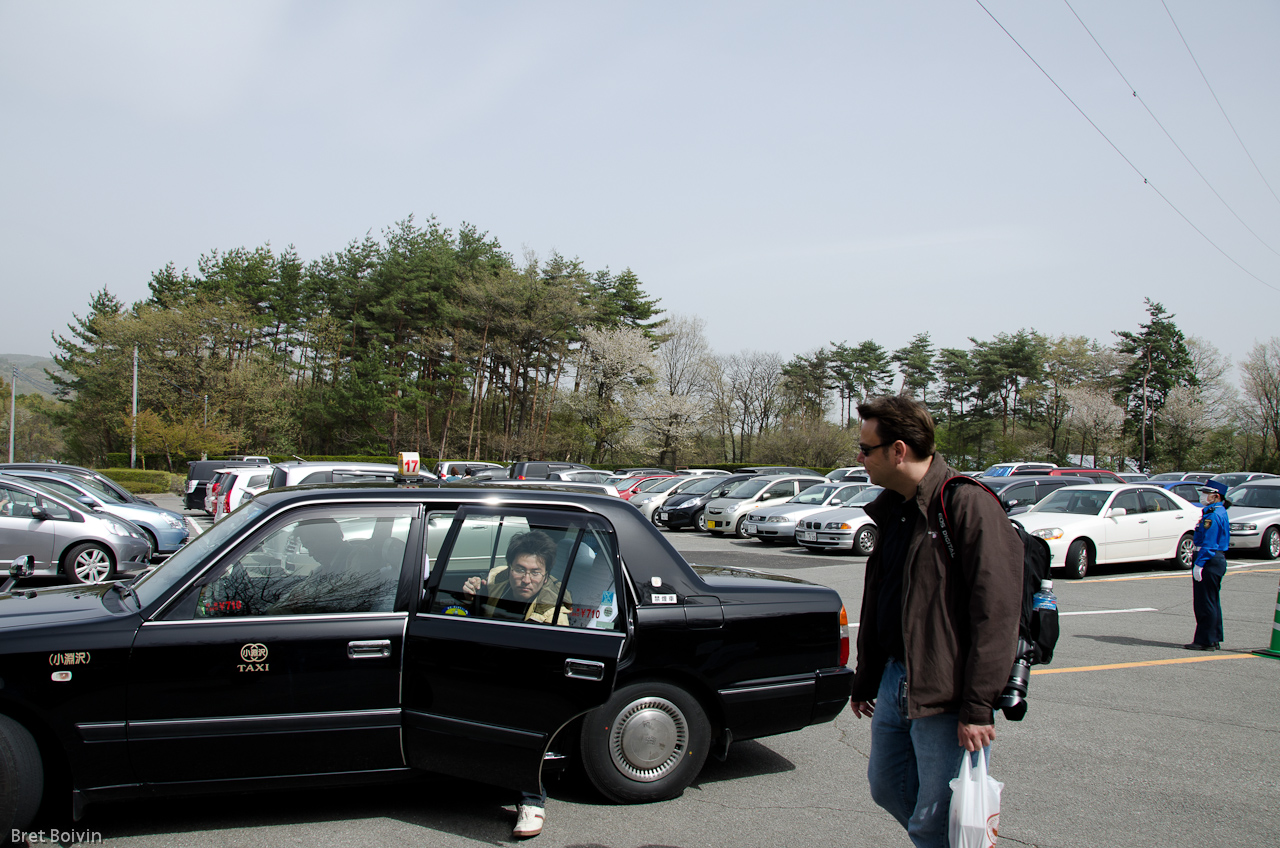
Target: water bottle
{"type": "Point", "coordinates": [1045, 599]}
{"type": "Point", "coordinates": [1044, 622]}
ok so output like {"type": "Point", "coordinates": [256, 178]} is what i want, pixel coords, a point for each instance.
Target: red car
{"type": "Point", "coordinates": [628, 487]}
{"type": "Point", "coordinates": [1097, 475]}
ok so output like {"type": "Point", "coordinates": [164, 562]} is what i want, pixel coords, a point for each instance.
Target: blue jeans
{"type": "Point", "coordinates": [913, 762]}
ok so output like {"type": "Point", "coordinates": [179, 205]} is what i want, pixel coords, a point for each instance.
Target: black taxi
{"type": "Point", "coordinates": [336, 634]}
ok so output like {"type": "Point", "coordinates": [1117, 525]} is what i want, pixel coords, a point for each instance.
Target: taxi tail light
{"type": "Point", "coordinates": [844, 637]}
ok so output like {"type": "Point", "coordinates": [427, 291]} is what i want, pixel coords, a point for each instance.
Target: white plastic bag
{"type": "Point", "coordinates": [975, 805]}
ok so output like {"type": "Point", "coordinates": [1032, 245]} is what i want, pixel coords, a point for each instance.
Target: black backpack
{"type": "Point", "coordinates": [1037, 629]}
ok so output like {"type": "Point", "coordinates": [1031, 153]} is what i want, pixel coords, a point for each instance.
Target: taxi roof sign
{"type": "Point", "coordinates": [409, 463]}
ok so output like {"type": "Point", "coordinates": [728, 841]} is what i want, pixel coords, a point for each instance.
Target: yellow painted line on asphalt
{"type": "Point", "coordinates": [1141, 664]}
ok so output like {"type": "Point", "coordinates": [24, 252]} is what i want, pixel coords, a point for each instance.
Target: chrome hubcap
{"type": "Point", "coordinates": [648, 739]}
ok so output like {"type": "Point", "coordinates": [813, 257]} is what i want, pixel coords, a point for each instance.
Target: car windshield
{"type": "Point", "coordinates": [1073, 501]}
{"type": "Point", "coordinates": [99, 489]}
{"type": "Point", "coordinates": [998, 471]}
{"type": "Point", "coordinates": [702, 485]}
{"type": "Point", "coordinates": [665, 484]}
{"type": "Point", "coordinates": [866, 496]}
{"type": "Point", "coordinates": [815, 494]}
{"type": "Point", "coordinates": [648, 485]}
{"type": "Point", "coordinates": [746, 489]}
{"type": "Point", "coordinates": [157, 581]}
{"type": "Point", "coordinates": [1231, 480]}
{"type": "Point", "coordinates": [1259, 497]}
{"type": "Point", "coordinates": [1167, 477]}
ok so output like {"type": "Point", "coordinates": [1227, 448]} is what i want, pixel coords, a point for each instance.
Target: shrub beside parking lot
{"type": "Point", "coordinates": [144, 482]}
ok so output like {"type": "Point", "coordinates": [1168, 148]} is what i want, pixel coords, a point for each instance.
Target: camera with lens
{"type": "Point", "coordinates": [1013, 699]}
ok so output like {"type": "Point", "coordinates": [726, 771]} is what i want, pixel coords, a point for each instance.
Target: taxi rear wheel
{"type": "Point", "coordinates": [21, 776]}
{"type": "Point", "coordinates": [88, 562]}
{"type": "Point", "coordinates": [647, 743]}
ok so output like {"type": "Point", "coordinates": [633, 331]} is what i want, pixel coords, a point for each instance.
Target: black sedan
{"type": "Point", "coordinates": [335, 634]}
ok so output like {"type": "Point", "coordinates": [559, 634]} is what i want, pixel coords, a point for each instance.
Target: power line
{"type": "Point", "coordinates": [1166, 132]}
{"type": "Point", "coordinates": [44, 387]}
{"type": "Point", "coordinates": [1219, 102]}
{"type": "Point", "coordinates": [1129, 162]}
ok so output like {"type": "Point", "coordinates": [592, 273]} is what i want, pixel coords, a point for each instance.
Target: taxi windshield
{"type": "Point", "coordinates": [155, 582]}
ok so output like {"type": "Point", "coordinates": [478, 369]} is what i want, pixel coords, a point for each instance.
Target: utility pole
{"type": "Point", "coordinates": [133, 439]}
{"type": "Point", "coordinates": [13, 409]}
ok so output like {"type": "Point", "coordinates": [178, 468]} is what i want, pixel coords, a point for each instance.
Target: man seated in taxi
{"type": "Point", "coordinates": [523, 589]}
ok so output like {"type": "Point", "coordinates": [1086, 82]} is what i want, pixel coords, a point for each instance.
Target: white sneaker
{"type": "Point", "coordinates": [529, 822]}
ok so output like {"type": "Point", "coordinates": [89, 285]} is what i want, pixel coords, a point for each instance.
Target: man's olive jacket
{"type": "Point", "coordinates": [959, 620]}
{"type": "Point", "coordinates": [539, 609]}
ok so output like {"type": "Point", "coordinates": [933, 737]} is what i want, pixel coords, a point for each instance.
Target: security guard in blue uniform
{"type": "Point", "coordinates": [1212, 537]}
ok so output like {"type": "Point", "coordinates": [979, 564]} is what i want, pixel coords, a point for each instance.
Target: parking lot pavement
{"type": "Point", "coordinates": [1130, 741]}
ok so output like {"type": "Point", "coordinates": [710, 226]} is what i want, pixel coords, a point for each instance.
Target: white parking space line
{"type": "Point", "coordinates": [1109, 612]}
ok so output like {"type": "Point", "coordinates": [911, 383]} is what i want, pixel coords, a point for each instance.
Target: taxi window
{"type": "Point", "coordinates": [536, 569]}
{"type": "Point", "coordinates": [330, 560]}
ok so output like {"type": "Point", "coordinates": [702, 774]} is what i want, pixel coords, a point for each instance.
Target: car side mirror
{"type": "Point", "coordinates": [20, 568]}
{"type": "Point", "coordinates": [39, 513]}
{"type": "Point", "coordinates": [1116, 512]}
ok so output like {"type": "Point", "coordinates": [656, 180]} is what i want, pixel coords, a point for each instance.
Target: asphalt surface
{"type": "Point", "coordinates": [1130, 741]}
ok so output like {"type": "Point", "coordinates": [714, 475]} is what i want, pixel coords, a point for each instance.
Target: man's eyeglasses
{"type": "Point", "coordinates": [866, 450]}
{"type": "Point", "coordinates": [521, 571]}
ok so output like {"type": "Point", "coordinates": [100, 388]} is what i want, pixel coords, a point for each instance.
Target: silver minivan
{"type": "Point", "coordinates": [60, 535]}
{"type": "Point", "coordinates": [726, 515]}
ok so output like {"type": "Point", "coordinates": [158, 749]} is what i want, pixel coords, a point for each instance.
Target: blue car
{"type": "Point", "coordinates": [166, 530]}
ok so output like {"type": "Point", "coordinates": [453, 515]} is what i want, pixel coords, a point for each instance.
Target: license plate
{"type": "Point", "coordinates": [751, 528]}
{"type": "Point", "coordinates": [807, 536]}
{"type": "Point", "coordinates": [713, 524]}
{"type": "Point", "coordinates": [662, 516]}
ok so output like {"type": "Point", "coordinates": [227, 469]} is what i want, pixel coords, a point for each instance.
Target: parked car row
{"type": "Point", "coordinates": [1084, 522]}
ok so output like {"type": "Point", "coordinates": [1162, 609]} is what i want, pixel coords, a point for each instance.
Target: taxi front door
{"type": "Point", "coordinates": [283, 660]}
{"type": "Point", "coordinates": [485, 693]}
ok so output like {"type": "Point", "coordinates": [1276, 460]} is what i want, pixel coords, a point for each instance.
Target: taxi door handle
{"type": "Point", "coordinates": [370, 649]}
{"type": "Point", "coordinates": [584, 669]}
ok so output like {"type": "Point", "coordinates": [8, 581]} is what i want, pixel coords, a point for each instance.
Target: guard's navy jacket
{"type": "Point", "coordinates": [1213, 533]}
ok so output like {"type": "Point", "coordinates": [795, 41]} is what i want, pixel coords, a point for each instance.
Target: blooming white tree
{"type": "Point", "coordinates": [614, 365]}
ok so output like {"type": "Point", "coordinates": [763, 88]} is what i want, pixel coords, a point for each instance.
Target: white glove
{"type": "Point", "coordinates": [1195, 572]}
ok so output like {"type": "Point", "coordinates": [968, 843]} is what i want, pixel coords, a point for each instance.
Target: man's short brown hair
{"type": "Point", "coordinates": [902, 419]}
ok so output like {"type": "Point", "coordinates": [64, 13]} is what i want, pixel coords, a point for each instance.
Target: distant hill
{"type": "Point", "coordinates": [31, 377]}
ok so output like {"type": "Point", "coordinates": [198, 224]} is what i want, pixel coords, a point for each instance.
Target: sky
{"type": "Point", "coordinates": [795, 174]}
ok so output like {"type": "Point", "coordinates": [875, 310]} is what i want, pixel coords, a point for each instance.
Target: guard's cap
{"type": "Point", "coordinates": [1215, 487]}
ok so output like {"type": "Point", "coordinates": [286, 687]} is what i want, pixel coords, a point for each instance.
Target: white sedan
{"type": "Point", "coordinates": [847, 528]}
{"type": "Point", "coordinates": [771, 524]}
{"type": "Point", "coordinates": [1111, 522]}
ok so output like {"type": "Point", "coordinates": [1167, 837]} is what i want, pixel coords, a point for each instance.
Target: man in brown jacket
{"type": "Point", "coordinates": [936, 639]}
